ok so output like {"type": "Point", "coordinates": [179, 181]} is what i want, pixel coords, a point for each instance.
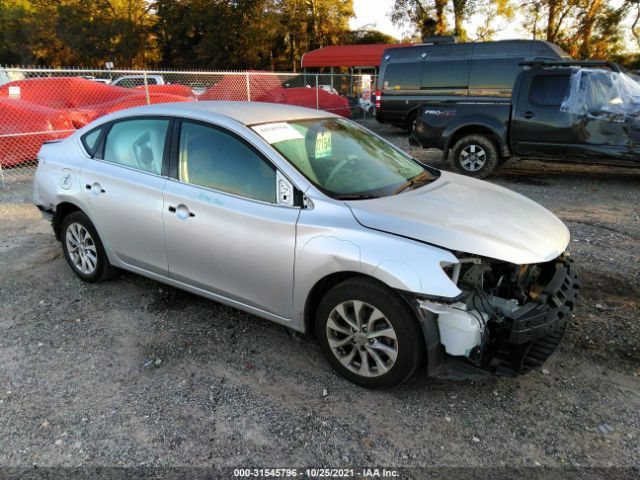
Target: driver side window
{"type": "Point", "coordinates": [137, 144]}
{"type": "Point", "coordinates": [212, 158]}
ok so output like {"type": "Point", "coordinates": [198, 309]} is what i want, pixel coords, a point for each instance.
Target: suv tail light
{"type": "Point", "coordinates": [378, 94]}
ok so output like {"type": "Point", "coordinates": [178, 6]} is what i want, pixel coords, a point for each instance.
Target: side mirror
{"type": "Point", "coordinates": [284, 190]}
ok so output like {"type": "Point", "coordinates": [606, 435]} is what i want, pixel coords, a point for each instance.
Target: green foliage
{"type": "Point", "coordinates": [274, 34]}
{"type": "Point", "coordinates": [368, 36]}
{"type": "Point", "coordinates": [584, 28]}
{"type": "Point", "coordinates": [13, 38]}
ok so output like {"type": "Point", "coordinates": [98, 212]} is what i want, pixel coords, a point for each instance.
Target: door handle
{"type": "Point", "coordinates": [95, 188]}
{"type": "Point", "coordinates": [528, 115]}
{"type": "Point", "coordinates": [181, 211]}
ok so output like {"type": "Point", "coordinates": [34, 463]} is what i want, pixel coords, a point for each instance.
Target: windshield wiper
{"type": "Point", "coordinates": [354, 196]}
{"type": "Point", "coordinates": [423, 177]}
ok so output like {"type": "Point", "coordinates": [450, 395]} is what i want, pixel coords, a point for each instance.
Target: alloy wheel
{"type": "Point", "coordinates": [473, 158]}
{"type": "Point", "coordinates": [81, 248]}
{"type": "Point", "coordinates": [362, 338]}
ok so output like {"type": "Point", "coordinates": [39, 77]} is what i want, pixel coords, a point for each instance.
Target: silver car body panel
{"type": "Point", "coordinates": [265, 258]}
{"type": "Point", "coordinates": [471, 216]}
{"type": "Point", "coordinates": [128, 206]}
{"type": "Point", "coordinates": [235, 247]}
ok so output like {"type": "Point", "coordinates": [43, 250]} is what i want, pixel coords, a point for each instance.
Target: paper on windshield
{"type": "Point", "coordinates": [323, 145]}
{"type": "Point", "coordinates": [277, 132]}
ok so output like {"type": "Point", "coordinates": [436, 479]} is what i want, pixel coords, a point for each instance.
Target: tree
{"type": "Point", "coordinates": [14, 41]}
{"type": "Point", "coordinates": [367, 35]}
{"type": "Point", "coordinates": [95, 31]}
{"type": "Point", "coordinates": [583, 28]}
{"type": "Point", "coordinates": [491, 11]}
{"type": "Point", "coordinates": [428, 19]}
{"type": "Point", "coordinates": [635, 26]}
{"type": "Point", "coordinates": [310, 24]}
{"type": "Point", "coordinates": [76, 32]}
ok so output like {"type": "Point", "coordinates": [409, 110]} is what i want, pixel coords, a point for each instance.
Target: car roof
{"type": "Point", "coordinates": [247, 113]}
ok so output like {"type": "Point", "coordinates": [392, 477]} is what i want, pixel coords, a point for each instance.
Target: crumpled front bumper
{"type": "Point", "coordinates": [550, 309]}
{"type": "Point", "coordinates": [532, 333]}
{"type": "Point", "coordinates": [525, 338]}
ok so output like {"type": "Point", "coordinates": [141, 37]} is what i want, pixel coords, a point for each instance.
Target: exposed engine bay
{"type": "Point", "coordinates": [509, 317]}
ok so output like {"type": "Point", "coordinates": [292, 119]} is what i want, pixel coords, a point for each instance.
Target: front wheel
{"type": "Point", "coordinates": [474, 156]}
{"type": "Point", "coordinates": [368, 334]}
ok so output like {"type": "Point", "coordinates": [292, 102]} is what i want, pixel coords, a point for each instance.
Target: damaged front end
{"type": "Point", "coordinates": [509, 318]}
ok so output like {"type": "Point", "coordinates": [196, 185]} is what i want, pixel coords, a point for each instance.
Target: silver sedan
{"type": "Point", "coordinates": [312, 221]}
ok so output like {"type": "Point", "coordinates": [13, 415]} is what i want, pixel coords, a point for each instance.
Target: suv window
{"type": "Point", "coordinates": [137, 144]}
{"type": "Point", "coordinates": [494, 73]}
{"type": "Point", "coordinates": [548, 90]}
{"type": "Point", "coordinates": [446, 74]}
{"type": "Point", "coordinates": [403, 76]}
{"type": "Point", "coordinates": [209, 157]}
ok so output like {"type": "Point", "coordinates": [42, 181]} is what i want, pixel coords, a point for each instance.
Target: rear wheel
{"type": "Point", "coordinates": [412, 123]}
{"type": "Point", "coordinates": [83, 249]}
{"type": "Point", "coordinates": [474, 156]}
{"type": "Point", "coordinates": [368, 334]}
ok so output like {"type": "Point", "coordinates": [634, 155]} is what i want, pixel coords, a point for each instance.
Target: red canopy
{"type": "Point", "coordinates": [347, 55]}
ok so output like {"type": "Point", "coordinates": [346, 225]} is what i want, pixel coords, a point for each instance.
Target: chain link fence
{"type": "Point", "coordinates": [37, 105]}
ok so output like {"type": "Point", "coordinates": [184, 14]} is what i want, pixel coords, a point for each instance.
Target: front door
{"type": "Point", "coordinates": [224, 231]}
{"type": "Point", "coordinates": [123, 190]}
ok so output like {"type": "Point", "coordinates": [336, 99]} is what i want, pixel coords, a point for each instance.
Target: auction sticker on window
{"type": "Point", "coordinates": [323, 145]}
{"type": "Point", "coordinates": [277, 132]}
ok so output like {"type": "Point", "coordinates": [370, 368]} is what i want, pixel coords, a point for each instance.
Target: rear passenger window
{"type": "Point", "coordinates": [548, 90]}
{"type": "Point", "coordinates": [137, 144]}
{"type": "Point", "coordinates": [446, 74]}
{"type": "Point", "coordinates": [402, 76]}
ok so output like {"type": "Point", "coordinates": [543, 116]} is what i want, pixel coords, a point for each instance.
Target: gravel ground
{"type": "Point", "coordinates": [133, 373]}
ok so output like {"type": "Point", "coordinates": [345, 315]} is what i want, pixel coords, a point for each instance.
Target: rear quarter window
{"type": "Point", "coordinates": [90, 140]}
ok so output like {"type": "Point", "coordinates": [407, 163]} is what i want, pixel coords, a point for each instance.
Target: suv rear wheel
{"type": "Point", "coordinates": [474, 156]}
{"type": "Point", "coordinates": [368, 334]}
{"type": "Point", "coordinates": [412, 123]}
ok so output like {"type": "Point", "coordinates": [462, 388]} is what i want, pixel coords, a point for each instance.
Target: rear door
{"type": "Point", "coordinates": [538, 126]}
{"type": "Point", "coordinates": [123, 187]}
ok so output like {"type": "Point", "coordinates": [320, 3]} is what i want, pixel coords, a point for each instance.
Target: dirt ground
{"type": "Point", "coordinates": [133, 373]}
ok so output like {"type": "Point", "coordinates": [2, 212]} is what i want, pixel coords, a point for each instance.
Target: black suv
{"type": "Point", "coordinates": [412, 76]}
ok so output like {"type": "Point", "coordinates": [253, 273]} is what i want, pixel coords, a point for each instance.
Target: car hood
{"type": "Point", "coordinates": [468, 215]}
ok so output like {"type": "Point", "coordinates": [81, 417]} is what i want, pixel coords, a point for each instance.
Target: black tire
{"type": "Point", "coordinates": [103, 269]}
{"type": "Point", "coordinates": [409, 342]}
{"type": "Point", "coordinates": [482, 165]}
{"type": "Point", "coordinates": [410, 126]}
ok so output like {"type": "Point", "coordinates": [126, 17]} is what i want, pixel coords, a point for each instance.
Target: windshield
{"type": "Point", "coordinates": [345, 160]}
